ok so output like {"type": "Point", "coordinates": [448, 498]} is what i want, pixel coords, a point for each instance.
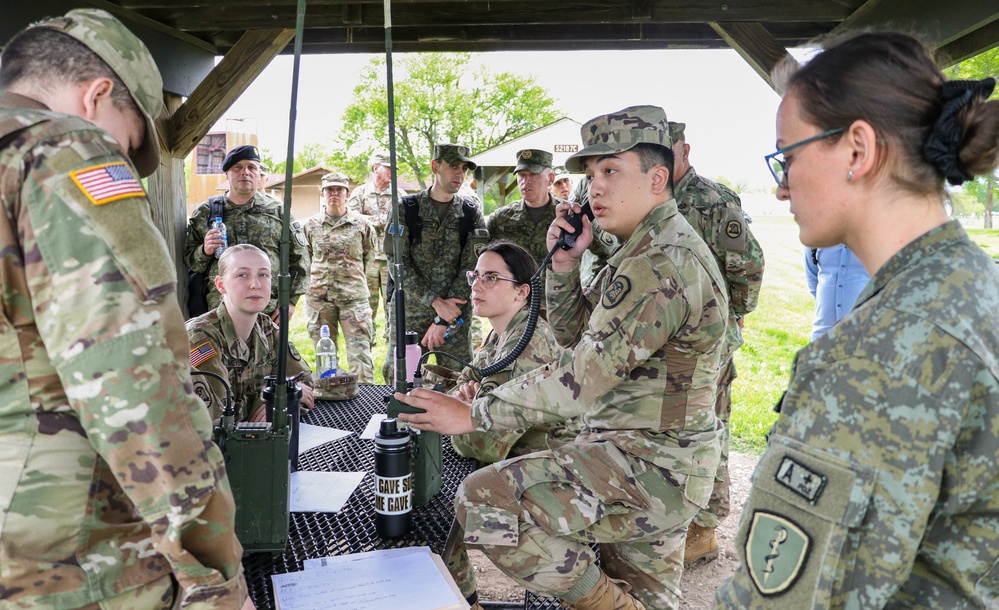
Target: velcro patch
{"type": "Point", "coordinates": [202, 353]}
{"type": "Point", "coordinates": [616, 292]}
{"type": "Point", "coordinates": [108, 182]}
{"type": "Point", "coordinates": [803, 481]}
{"type": "Point", "coordinates": [776, 552]}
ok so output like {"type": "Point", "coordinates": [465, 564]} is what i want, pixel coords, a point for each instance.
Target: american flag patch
{"type": "Point", "coordinates": [108, 182]}
{"type": "Point", "coordinates": [203, 352]}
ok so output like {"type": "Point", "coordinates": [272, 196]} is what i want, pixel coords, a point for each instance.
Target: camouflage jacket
{"type": "Point", "coordinates": [497, 445]}
{"type": "Point", "coordinates": [376, 206]}
{"type": "Point", "coordinates": [512, 223]}
{"type": "Point", "coordinates": [648, 336]}
{"type": "Point", "coordinates": [216, 347]}
{"type": "Point", "coordinates": [715, 212]}
{"type": "Point", "coordinates": [109, 478]}
{"type": "Point", "coordinates": [436, 265]}
{"type": "Point", "coordinates": [341, 250]}
{"type": "Point", "coordinates": [879, 488]}
{"type": "Point", "coordinates": [256, 222]}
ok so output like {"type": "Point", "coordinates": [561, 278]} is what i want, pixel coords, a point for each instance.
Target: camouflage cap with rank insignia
{"type": "Point", "coordinates": [454, 154]}
{"type": "Point", "coordinates": [533, 160]}
{"type": "Point", "coordinates": [676, 131]}
{"type": "Point", "coordinates": [620, 131]}
{"type": "Point", "coordinates": [129, 58]}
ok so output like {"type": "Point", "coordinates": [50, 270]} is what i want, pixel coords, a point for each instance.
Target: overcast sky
{"type": "Point", "coordinates": [729, 110]}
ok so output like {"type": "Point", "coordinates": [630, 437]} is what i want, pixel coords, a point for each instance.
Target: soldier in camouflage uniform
{"type": "Point", "coordinates": [435, 256]}
{"type": "Point", "coordinates": [113, 493]}
{"type": "Point", "coordinates": [374, 200]}
{"type": "Point", "coordinates": [648, 335]}
{"type": "Point", "coordinates": [239, 342]}
{"type": "Point", "coordinates": [525, 222]}
{"type": "Point", "coordinates": [715, 212]}
{"type": "Point", "coordinates": [561, 183]}
{"type": "Point", "coordinates": [879, 488]}
{"type": "Point", "coordinates": [250, 217]}
{"type": "Point", "coordinates": [342, 248]}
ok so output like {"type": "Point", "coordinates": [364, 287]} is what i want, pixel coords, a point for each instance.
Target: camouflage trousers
{"type": "Point", "coordinates": [354, 317]}
{"type": "Point", "coordinates": [537, 516]}
{"type": "Point", "coordinates": [377, 286]}
{"type": "Point", "coordinates": [718, 506]}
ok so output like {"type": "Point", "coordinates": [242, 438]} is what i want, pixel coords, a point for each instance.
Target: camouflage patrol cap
{"type": "Point", "coordinates": [336, 179]}
{"type": "Point", "coordinates": [533, 160]}
{"type": "Point", "coordinates": [380, 158]}
{"type": "Point", "coordinates": [129, 58]}
{"type": "Point", "coordinates": [676, 131]}
{"type": "Point", "coordinates": [454, 153]}
{"type": "Point", "coordinates": [561, 173]}
{"type": "Point", "coordinates": [620, 131]}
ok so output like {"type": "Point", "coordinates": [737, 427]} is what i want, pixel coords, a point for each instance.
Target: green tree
{"type": "Point", "coordinates": [439, 97]}
{"type": "Point", "coordinates": [981, 66]}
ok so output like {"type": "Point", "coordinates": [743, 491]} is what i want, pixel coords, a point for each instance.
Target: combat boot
{"type": "Point", "coordinates": [606, 595]}
{"type": "Point", "coordinates": [701, 545]}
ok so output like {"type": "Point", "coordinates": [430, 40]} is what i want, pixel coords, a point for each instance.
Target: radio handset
{"type": "Point", "coordinates": [567, 240]}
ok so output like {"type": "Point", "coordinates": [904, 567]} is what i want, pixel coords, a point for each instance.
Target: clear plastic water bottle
{"type": "Point", "coordinates": [218, 224]}
{"type": "Point", "coordinates": [452, 328]}
{"type": "Point", "coordinates": [326, 364]}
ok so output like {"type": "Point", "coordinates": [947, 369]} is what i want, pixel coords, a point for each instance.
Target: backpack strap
{"type": "Point", "coordinates": [216, 206]}
{"type": "Point", "coordinates": [411, 209]}
{"type": "Point", "coordinates": [470, 212]}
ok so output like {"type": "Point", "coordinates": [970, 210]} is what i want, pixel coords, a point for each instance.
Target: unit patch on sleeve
{"type": "Point", "coordinates": [203, 352]}
{"type": "Point", "coordinates": [776, 552]}
{"type": "Point", "coordinates": [803, 481]}
{"type": "Point", "coordinates": [616, 292]}
{"type": "Point", "coordinates": [108, 182]}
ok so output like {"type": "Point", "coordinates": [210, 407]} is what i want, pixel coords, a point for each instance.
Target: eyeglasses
{"type": "Point", "coordinates": [488, 279]}
{"type": "Point", "coordinates": [777, 164]}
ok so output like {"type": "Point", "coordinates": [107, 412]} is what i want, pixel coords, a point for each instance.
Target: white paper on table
{"type": "Point", "coordinates": [323, 562]}
{"type": "Point", "coordinates": [310, 436]}
{"type": "Point", "coordinates": [411, 580]}
{"type": "Point", "coordinates": [373, 424]}
{"type": "Point", "coordinates": [322, 492]}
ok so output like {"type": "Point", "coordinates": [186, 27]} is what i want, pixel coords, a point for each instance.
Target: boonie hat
{"type": "Point", "coordinates": [247, 152]}
{"type": "Point", "coordinates": [129, 58]}
{"type": "Point", "coordinates": [533, 160]}
{"type": "Point", "coordinates": [454, 153]}
{"type": "Point", "coordinates": [676, 130]}
{"type": "Point", "coordinates": [336, 179]}
{"type": "Point", "coordinates": [620, 131]}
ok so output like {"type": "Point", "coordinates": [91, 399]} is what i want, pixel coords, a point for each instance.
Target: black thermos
{"type": "Point", "coordinates": [393, 481]}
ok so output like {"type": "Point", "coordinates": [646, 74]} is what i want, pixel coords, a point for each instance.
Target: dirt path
{"type": "Point", "coordinates": [699, 582]}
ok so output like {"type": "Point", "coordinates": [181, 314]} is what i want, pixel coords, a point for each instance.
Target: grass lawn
{"type": "Point", "coordinates": [778, 328]}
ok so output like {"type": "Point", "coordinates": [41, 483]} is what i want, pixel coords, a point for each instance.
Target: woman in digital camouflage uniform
{"type": "Point", "coordinates": [879, 488]}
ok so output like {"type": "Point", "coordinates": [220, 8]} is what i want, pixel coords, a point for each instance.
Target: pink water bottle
{"type": "Point", "coordinates": [413, 354]}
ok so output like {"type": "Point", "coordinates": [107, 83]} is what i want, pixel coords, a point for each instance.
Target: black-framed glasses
{"type": "Point", "coordinates": [777, 164]}
{"type": "Point", "coordinates": [488, 279]}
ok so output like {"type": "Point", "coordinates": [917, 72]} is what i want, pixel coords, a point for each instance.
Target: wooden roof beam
{"type": "Point", "coordinates": [220, 89]}
{"type": "Point", "coordinates": [755, 44]}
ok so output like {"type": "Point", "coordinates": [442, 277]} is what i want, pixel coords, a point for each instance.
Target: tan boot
{"type": "Point", "coordinates": [606, 595]}
{"type": "Point", "coordinates": [701, 545]}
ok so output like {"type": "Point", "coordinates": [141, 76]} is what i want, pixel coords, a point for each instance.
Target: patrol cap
{"type": "Point", "coordinates": [561, 173]}
{"type": "Point", "coordinates": [336, 179]}
{"type": "Point", "coordinates": [533, 160]}
{"type": "Point", "coordinates": [129, 58]}
{"type": "Point", "coordinates": [676, 131]}
{"type": "Point", "coordinates": [454, 153]}
{"type": "Point", "coordinates": [247, 152]}
{"type": "Point", "coordinates": [620, 131]}
{"type": "Point", "coordinates": [380, 158]}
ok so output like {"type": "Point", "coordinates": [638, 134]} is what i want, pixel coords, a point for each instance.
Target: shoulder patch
{"type": "Point", "coordinates": [800, 479]}
{"type": "Point", "coordinates": [616, 292]}
{"type": "Point", "coordinates": [108, 182]}
{"type": "Point", "coordinates": [293, 351]}
{"type": "Point", "coordinates": [202, 391]}
{"type": "Point", "coordinates": [776, 552]}
{"type": "Point", "coordinates": [733, 229]}
{"type": "Point", "coordinates": [202, 353]}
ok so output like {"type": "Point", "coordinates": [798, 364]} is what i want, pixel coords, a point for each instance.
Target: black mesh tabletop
{"type": "Point", "coordinates": [352, 530]}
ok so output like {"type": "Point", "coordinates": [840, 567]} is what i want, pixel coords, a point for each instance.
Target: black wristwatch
{"type": "Point", "coordinates": [439, 322]}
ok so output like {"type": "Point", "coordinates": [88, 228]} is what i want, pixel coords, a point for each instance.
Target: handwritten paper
{"type": "Point", "coordinates": [382, 580]}
{"type": "Point", "coordinates": [322, 492]}
{"type": "Point", "coordinates": [310, 436]}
